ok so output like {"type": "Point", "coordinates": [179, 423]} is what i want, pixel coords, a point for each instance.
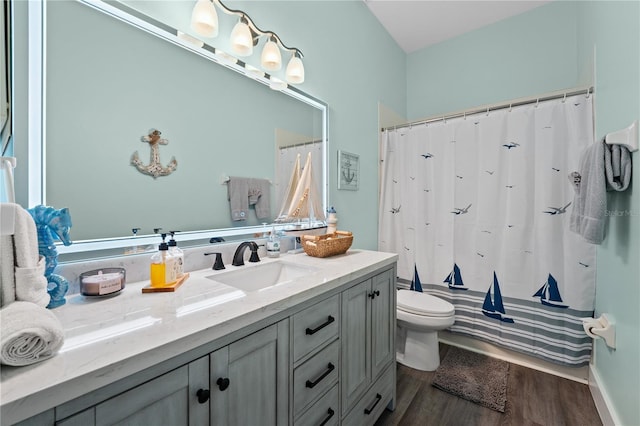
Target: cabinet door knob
{"type": "Point", "coordinates": [223, 384]}
{"type": "Point", "coordinates": [203, 395]}
{"type": "Point", "coordinates": [373, 294]}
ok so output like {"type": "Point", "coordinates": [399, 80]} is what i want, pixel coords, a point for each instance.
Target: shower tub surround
{"type": "Point", "coordinates": [130, 338]}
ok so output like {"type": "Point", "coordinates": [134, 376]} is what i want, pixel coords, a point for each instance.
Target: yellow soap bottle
{"type": "Point", "coordinates": [163, 272]}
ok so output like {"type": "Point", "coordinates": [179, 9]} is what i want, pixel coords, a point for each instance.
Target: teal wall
{"type": "Point", "coordinates": [613, 28]}
{"type": "Point", "coordinates": [547, 49]}
{"type": "Point", "coordinates": [528, 54]}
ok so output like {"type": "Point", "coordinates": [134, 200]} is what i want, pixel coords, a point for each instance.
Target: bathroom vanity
{"type": "Point", "coordinates": [293, 340]}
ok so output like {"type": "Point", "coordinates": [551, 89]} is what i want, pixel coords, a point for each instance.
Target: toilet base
{"type": "Point", "coordinates": [421, 350]}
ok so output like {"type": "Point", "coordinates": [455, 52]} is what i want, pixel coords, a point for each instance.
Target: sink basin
{"type": "Point", "coordinates": [262, 276]}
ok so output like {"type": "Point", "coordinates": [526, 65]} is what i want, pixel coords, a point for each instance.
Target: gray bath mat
{"type": "Point", "coordinates": [474, 377]}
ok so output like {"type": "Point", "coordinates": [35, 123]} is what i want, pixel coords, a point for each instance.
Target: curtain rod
{"type": "Point", "coordinates": [586, 90]}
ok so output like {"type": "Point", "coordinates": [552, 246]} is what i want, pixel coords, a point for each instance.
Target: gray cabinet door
{"type": "Point", "coordinates": [356, 332]}
{"type": "Point", "coordinates": [249, 379]}
{"type": "Point", "coordinates": [165, 400]}
{"type": "Point", "coordinates": [382, 322]}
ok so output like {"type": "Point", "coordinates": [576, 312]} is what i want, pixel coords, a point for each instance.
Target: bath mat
{"type": "Point", "coordinates": [474, 377]}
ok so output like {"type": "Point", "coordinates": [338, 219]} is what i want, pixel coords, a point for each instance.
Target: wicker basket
{"type": "Point", "coordinates": [327, 245]}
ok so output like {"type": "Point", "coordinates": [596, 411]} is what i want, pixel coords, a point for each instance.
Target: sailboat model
{"type": "Point", "coordinates": [549, 293]}
{"type": "Point", "coordinates": [302, 205]}
{"type": "Point", "coordinates": [494, 308]}
{"type": "Point", "coordinates": [455, 279]}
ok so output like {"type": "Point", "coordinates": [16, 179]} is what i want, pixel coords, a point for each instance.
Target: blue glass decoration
{"type": "Point", "coordinates": [51, 225]}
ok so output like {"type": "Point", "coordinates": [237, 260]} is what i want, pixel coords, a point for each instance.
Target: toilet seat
{"type": "Point", "coordinates": [418, 303]}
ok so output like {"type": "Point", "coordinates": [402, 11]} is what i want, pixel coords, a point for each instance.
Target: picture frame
{"type": "Point", "coordinates": [348, 171]}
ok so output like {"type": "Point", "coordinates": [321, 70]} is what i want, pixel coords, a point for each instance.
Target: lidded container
{"type": "Point", "coordinates": [102, 282]}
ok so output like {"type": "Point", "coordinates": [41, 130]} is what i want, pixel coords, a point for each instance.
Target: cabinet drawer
{"type": "Point", "coordinates": [315, 376]}
{"type": "Point", "coordinates": [367, 410]}
{"type": "Point", "coordinates": [315, 325]}
{"type": "Point", "coordinates": [325, 412]}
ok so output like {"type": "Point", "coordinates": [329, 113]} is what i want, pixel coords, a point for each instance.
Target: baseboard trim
{"type": "Point", "coordinates": [577, 374]}
{"type": "Point", "coordinates": [601, 399]}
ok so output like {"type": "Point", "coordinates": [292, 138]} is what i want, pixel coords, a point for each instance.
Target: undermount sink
{"type": "Point", "coordinates": [264, 275]}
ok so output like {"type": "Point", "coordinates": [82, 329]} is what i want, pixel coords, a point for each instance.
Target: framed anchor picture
{"type": "Point", "coordinates": [348, 170]}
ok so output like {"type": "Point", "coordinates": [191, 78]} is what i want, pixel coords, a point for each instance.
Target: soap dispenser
{"type": "Point", "coordinates": [273, 244]}
{"type": "Point", "coordinates": [177, 254]}
{"type": "Point", "coordinates": [163, 271]}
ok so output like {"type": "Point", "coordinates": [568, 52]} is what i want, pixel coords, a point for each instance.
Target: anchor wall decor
{"type": "Point", "coordinates": [154, 168]}
{"type": "Point", "coordinates": [349, 170]}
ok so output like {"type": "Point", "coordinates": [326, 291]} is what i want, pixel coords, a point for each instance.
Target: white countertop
{"type": "Point", "coordinates": [108, 339]}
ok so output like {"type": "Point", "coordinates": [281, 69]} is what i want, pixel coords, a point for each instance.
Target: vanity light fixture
{"type": "Point", "coordinates": [246, 35]}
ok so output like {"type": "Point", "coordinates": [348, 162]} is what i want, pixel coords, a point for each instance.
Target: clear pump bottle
{"type": "Point", "coordinates": [177, 254]}
{"type": "Point", "coordinates": [163, 271]}
{"type": "Point", "coordinates": [273, 244]}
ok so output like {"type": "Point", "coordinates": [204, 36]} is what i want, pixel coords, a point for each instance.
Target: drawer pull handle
{"type": "Point", "coordinates": [370, 410]}
{"type": "Point", "coordinates": [373, 294]}
{"type": "Point", "coordinates": [203, 395]}
{"type": "Point", "coordinates": [328, 371]}
{"type": "Point", "coordinates": [223, 384]}
{"type": "Point", "coordinates": [330, 414]}
{"type": "Point", "coordinates": [310, 332]}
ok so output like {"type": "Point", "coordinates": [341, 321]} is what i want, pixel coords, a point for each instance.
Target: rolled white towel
{"type": "Point", "coordinates": [29, 334]}
{"type": "Point", "coordinates": [31, 284]}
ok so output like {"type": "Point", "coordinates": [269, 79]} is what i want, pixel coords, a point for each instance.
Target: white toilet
{"type": "Point", "coordinates": [419, 317]}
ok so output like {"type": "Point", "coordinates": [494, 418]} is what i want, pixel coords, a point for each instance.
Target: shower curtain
{"type": "Point", "coordinates": [478, 207]}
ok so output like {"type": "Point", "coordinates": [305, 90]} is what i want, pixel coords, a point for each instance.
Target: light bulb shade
{"type": "Point", "coordinates": [241, 39]}
{"type": "Point", "coordinates": [295, 71]}
{"type": "Point", "coordinates": [271, 59]}
{"type": "Point", "coordinates": [204, 19]}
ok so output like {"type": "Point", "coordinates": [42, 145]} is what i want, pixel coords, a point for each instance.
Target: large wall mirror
{"type": "Point", "coordinates": [114, 71]}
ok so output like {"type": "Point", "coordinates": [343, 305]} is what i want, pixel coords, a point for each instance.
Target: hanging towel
{"type": "Point", "coordinates": [30, 334]}
{"type": "Point", "coordinates": [22, 277]}
{"type": "Point", "coordinates": [617, 166]}
{"type": "Point", "coordinates": [244, 192]}
{"type": "Point", "coordinates": [590, 200]}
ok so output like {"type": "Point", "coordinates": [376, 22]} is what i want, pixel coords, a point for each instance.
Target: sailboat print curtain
{"type": "Point", "coordinates": [477, 209]}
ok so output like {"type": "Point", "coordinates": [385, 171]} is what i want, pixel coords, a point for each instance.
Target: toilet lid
{"type": "Point", "coordinates": [419, 303]}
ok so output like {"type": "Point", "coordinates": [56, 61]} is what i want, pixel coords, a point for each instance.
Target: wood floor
{"type": "Point", "coordinates": [533, 398]}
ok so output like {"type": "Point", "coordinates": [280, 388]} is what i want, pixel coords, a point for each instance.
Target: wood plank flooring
{"type": "Point", "coordinates": [533, 398]}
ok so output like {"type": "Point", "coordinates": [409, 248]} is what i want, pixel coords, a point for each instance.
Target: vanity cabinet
{"type": "Point", "coordinates": [249, 379]}
{"type": "Point", "coordinates": [368, 327]}
{"type": "Point", "coordinates": [243, 383]}
{"type": "Point", "coordinates": [166, 400]}
{"type": "Point", "coordinates": [328, 360]}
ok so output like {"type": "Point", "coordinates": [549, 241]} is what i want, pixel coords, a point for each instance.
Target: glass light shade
{"type": "Point", "coordinates": [204, 19]}
{"type": "Point", "coordinates": [241, 40]}
{"type": "Point", "coordinates": [295, 71]}
{"type": "Point", "coordinates": [271, 59]}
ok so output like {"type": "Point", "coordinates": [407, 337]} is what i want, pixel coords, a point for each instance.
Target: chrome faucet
{"type": "Point", "coordinates": [238, 257]}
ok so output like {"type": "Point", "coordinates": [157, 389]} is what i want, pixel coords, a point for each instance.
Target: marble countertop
{"type": "Point", "coordinates": [108, 339]}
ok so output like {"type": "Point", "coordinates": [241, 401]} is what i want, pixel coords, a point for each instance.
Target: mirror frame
{"type": "Point", "coordinates": [87, 249]}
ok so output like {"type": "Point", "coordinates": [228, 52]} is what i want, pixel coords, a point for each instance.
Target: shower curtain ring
{"type": "Point", "coordinates": [510, 105]}
{"type": "Point", "coordinates": [588, 93]}
{"type": "Point", "coordinates": [537, 102]}
{"type": "Point", "coordinates": [487, 112]}
{"type": "Point", "coordinates": [564, 99]}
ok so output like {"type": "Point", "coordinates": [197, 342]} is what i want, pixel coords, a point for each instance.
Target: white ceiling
{"type": "Point", "coordinates": [415, 24]}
